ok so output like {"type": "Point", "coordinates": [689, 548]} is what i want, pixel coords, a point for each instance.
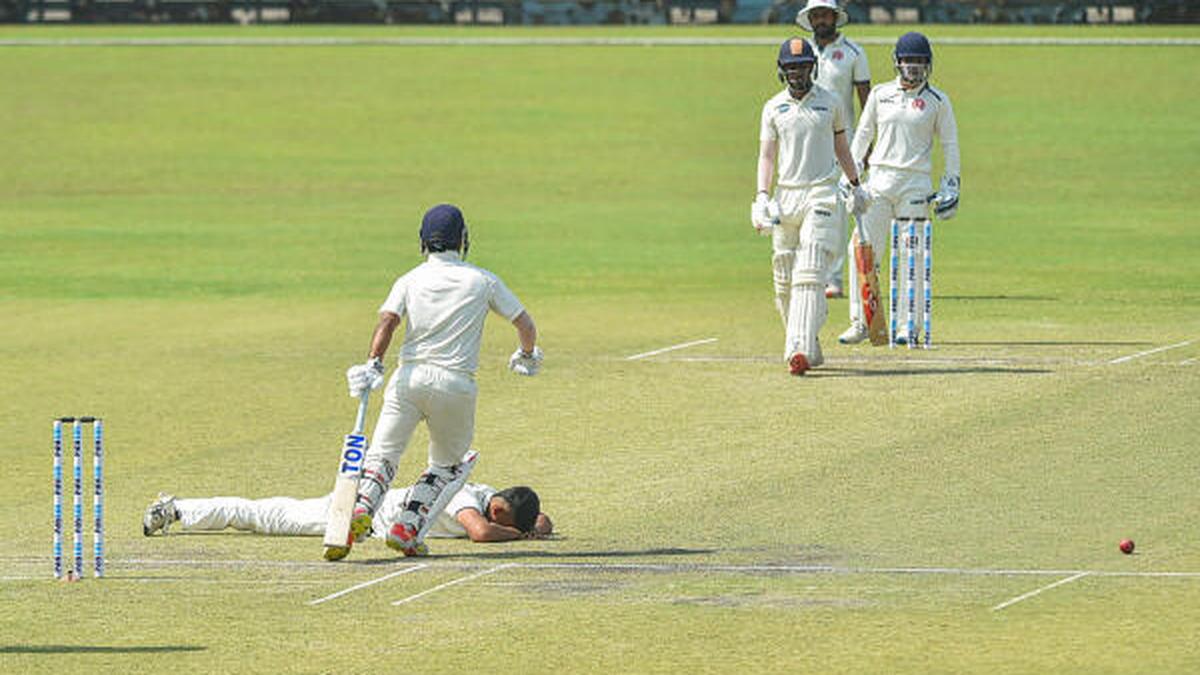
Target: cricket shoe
{"type": "Point", "coordinates": [403, 538]}
{"type": "Point", "coordinates": [360, 525]}
{"type": "Point", "coordinates": [855, 334]}
{"type": "Point", "coordinates": [834, 291]}
{"type": "Point", "coordinates": [160, 514]}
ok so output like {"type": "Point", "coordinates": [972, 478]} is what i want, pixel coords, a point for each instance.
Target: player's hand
{"type": "Point", "coordinates": [526, 363]}
{"type": "Point", "coordinates": [855, 197]}
{"type": "Point", "coordinates": [945, 202]}
{"type": "Point", "coordinates": [764, 213]}
{"type": "Point", "coordinates": [364, 377]}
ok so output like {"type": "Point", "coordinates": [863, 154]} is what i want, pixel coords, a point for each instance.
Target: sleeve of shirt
{"type": "Point", "coordinates": [469, 497]}
{"type": "Point", "coordinates": [862, 68]}
{"type": "Point", "coordinates": [395, 302]}
{"type": "Point", "coordinates": [767, 131]}
{"type": "Point", "coordinates": [839, 116]}
{"type": "Point", "coordinates": [503, 301]}
{"type": "Point", "coordinates": [865, 133]}
{"type": "Point", "coordinates": [947, 130]}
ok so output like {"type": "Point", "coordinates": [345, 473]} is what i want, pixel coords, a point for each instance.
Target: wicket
{"type": "Point", "coordinates": [912, 239]}
{"type": "Point", "coordinates": [77, 424]}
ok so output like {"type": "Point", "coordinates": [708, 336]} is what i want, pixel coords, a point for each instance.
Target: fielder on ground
{"type": "Point", "coordinates": [443, 303]}
{"type": "Point", "coordinates": [803, 132]}
{"type": "Point", "coordinates": [478, 512]}
{"type": "Point", "coordinates": [896, 133]}
{"type": "Point", "coordinates": [843, 69]}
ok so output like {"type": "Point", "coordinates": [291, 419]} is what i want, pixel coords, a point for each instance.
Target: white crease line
{"type": "Point", "coordinates": [452, 583]}
{"type": "Point", "coordinates": [1148, 352]}
{"type": "Point", "coordinates": [672, 348]}
{"type": "Point", "coordinates": [367, 583]}
{"type": "Point", "coordinates": [1030, 594]}
{"type": "Point", "coordinates": [1188, 362]}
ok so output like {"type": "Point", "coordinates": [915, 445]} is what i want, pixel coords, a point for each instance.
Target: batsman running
{"type": "Point", "coordinates": [803, 132]}
{"type": "Point", "coordinates": [901, 119]}
{"type": "Point", "coordinates": [443, 303]}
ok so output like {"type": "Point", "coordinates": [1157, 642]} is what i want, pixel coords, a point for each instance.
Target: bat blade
{"type": "Point", "coordinates": [868, 291]}
{"type": "Point", "coordinates": [345, 484]}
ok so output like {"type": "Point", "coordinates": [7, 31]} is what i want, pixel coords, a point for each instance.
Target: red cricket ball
{"type": "Point", "coordinates": [1126, 546]}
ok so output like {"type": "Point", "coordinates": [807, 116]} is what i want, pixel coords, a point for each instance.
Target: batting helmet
{"type": "Point", "coordinates": [444, 229]}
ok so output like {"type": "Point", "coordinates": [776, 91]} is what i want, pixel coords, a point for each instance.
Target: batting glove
{"type": "Point", "coordinates": [945, 202]}
{"type": "Point", "coordinates": [526, 363]}
{"type": "Point", "coordinates": [764, 213]}
{"type": "Point", "coordinates": [854, 197]}
{"type": "Point", "coordinates": [365, 377]}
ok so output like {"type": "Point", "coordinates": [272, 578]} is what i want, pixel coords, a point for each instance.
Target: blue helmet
{"type": "Point", "coordinates": [444, 229]}
{"type": "Point", "coordinates": [913, 46]}
{"type": "Point", "coordinates": [796, 52]}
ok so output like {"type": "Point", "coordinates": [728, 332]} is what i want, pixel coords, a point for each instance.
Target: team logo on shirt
{"type": "Point", "coordinates": [919, 104]}
{"type": "Point", "coordinates": [783, 108]}
{"type": "Point", "coordinates": [838, 55]}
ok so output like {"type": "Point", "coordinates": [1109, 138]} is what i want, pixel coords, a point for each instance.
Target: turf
{"type": "Point", "coordinates": [195, 240]}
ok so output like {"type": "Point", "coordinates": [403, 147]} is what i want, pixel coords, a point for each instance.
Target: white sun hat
{"type": "Point", "coordinates": [802, 17]}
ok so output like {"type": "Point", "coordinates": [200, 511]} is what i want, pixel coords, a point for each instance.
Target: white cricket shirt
{"type": "Point", "coordinates": [903, 124]}
{"type": "Point", "coordinates": [840, 65]}
{"type": "Point", "coordinates": [444, 302]}
{"type": "Point", "coordinates": [804, 130]}
{"type": "Point", "coordinates": [472, 496]}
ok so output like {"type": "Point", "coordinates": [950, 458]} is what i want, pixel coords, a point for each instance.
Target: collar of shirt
{"type": "Point", "coordinates": [445, 257]}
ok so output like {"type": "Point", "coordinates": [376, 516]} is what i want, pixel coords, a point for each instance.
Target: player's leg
{"type": "Point", "coordinates": [784, 238]}
{"type": "Point", "coordinates": [397, 421]}
{"type": "Point", "coordinates": [819, 239]}
{"type": "Point", "coordinates": [875, 225]}
{"type": "Point", "coordinates": [450, 417]}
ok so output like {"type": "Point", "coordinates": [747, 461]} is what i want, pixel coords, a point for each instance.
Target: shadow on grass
{"type": "Point", "coordinates": [1046, 343]}
{"type": "Point", "coordinates": [495, 554]}
{"type": "Point", "coordinates": [97, 649]}
{"type": "Point", "coordinates": [834, 371]}
{"type": "Point", "coordinates": [1018, 298]}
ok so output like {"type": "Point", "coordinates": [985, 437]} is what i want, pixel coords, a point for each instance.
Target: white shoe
{"type": "Point", "coordinates": [160, 514]}
{"type": "Point", "coordinates": [855, 334]}
{"type": "Point", "coordinates": [833, 290]}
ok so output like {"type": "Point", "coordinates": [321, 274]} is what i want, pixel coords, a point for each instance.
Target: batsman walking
{"type": "Point", "coordinates": [803, 131]}
{"type": "Point", "coordinates": [443, 303]}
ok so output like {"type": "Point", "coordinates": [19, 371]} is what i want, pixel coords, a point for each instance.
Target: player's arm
{"type": "Point", "coordinates": [526, 331]}
{"type": "Point", "coordinates": [382, 337]}
{"type": "Point", "coordinates": [480, 529]}
{"type": "Point", "coordinates": [367, 376]}
{"type": "Point", "coordinates": [768, 150]}
{"type": "Point", "coordinates": [864, 135]}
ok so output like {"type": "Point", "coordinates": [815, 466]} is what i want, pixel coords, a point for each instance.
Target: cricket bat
{"type": "Point", "coordinates": [345, 485]}
{"type": "Point", "coordinates": [868, 287]}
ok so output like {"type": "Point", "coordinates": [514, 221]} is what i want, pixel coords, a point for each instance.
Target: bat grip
{"type": "Point", "coordinates": [361, 420]}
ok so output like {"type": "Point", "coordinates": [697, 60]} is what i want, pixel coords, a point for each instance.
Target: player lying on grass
{"type": "Point", "coordinates": [478, 512]}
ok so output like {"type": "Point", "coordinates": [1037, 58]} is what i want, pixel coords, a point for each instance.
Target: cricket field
{"type": "Point", "coordinates": [197, 232]}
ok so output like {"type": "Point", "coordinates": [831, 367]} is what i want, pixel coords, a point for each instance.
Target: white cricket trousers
{"type": "Point", "coordinates": [895, 193]}
{"type": "Point", "coordinates": [444, 399]}
{"type": "Point", "coordinates": [275, 515]}
{"type": "Point", "coordinates": [804, 246]}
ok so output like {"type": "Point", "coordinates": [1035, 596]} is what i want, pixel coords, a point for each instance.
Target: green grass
{"type": "Point", "coordinates": [195, 240]}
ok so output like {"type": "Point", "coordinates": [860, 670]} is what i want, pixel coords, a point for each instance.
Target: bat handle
{"type": "Point", "coordinates": [361, 420]}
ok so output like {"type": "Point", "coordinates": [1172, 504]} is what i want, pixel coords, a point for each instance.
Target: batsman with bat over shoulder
{"type": "Point", "coordinates": [443, 303]}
